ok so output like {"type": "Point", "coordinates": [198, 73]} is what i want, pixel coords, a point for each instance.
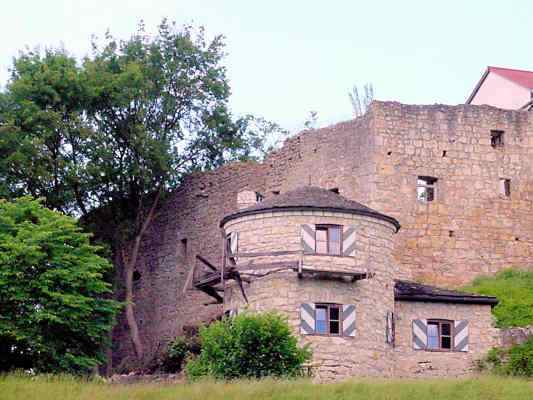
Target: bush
{"type": "Point", "coordinates": [515, 361]}
{"type": "Point", "coordinates": [248, 346]}
{"type": "Point", "coordinates": [514, 289]}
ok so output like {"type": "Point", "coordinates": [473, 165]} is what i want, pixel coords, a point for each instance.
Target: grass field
{"type": "Point", "coordinates": [65, 388]}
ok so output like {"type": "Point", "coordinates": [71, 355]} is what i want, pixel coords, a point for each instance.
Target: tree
{"type": "Point", "coordinates": [248, 346]}
{"type": "Point", "coordinates": [53, 312]}
{"type": "Point", "coordinates": [360, 103]}
{"type": "Point", "coordinates": [119, 129]}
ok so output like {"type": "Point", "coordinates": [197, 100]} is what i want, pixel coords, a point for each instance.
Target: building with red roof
{"type": "Point", "coordinates": [504, 88]}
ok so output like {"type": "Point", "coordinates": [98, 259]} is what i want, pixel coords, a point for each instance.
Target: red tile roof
{"type": "Point", "coordinates": [521, 77]}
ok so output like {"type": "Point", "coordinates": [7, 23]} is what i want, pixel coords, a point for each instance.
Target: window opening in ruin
{"type": "Point", "coordinates": [136, 276]}
{"type": "Point", "coordinates": [184, 248]}
{"type": "Point", "coordinates": [439, 334]}
{"type": "Point", "coordinates": [327, 319]}
{"type": "Point", "coordinates": [389, 153]}
{"type": "Point", "coordinates": [496, 138]}
{"type": "Point", "coordinates": [334, 190]}
{"type": "Point", "coordinates": [444, 153]}
{"type": "Point", "coordinates": [425, 188]}
{"type": "Point", "coordinates": [451, 233]}
{"type": "Point", "coordinates": [328, 239]}
{"type": "Point", "coordinates": [259, 197]}
{"type": "Point", "coordinates": [275, 192]}
{"type": "Point", "coordinates": [505, 187]}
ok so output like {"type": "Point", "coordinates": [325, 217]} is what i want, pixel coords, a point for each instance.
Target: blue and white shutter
{"type": "Point", "coordinates": [308, 238]}
{"type": "Point", "coordinates": [460, 338]}
{"type": "Point", "coordinates": [348, 241]}
{"type": "Point", "coordinates": [420, 335]}
{"type": "Point", "coordinates": [307, 318]}
{"type": "Point", "coordinates": [348, 320]}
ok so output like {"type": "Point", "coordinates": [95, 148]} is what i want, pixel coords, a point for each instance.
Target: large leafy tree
{"type": "Point", "coordinates": [54, 315]}
{"type": "Point", "coordinates": [120, 128]}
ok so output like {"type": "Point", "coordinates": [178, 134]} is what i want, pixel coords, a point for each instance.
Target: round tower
{"type": "Point", "coordinates": [325, 262]}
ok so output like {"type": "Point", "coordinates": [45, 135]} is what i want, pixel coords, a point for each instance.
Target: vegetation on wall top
{"type": "Point", "coordinates": [514, 290]}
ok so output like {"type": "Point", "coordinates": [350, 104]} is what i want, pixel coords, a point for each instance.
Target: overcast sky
{"type": "Point", "coordinates": [286, 58]}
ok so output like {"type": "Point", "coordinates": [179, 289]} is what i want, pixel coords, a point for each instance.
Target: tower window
{"type": "Point", "coordinates": [328, 319]}
{"type": "Point", "coordinates": [258, 197]}
{"type": "Point", "coordinates": [505, 187]}
{"type": "Point", "coordinates": [496, 138]}
{"type": "Point", "coordinates": [328, 239]}
{"type": "Point", "coordinates": [425, 188]}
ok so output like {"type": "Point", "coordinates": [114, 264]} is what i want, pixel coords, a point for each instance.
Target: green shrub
{"type": "Point", "coordinates": [248, 346]}
{"type": "Point", "coordinates": [521, 359]}
{"type": "Point", "coordinates": [515, 361]}
{"type": "Point", "coordinates": [514, 289]}
{"type": "Point", "coordinates": [176, 353]}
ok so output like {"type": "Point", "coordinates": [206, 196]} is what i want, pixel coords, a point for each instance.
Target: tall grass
{"type": "Point", "coordinates": [65, 388]}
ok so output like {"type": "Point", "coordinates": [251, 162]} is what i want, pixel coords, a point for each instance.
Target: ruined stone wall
{"type": "Point", "coordinates": [421, 363]}
{"type": "Point", "coordinates": [375, 160]}
{"type": "Point", "coordinates": [191, 214]}
{"type": "Point", "coordinates": [366, 354]}
{"type": "Point", "coordinates": [339, 156]}
{"type": "Point", "coordinates": [470, 229]}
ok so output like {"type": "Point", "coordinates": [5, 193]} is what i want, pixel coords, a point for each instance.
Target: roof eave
{"type": "Point", "coordinates": [372, 214]}
{"type": "Point", "coordinates": [492, 301]}
{"type": "Point", "coordinates": [476, 88]}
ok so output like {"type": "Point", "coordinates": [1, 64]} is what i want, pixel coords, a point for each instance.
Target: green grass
{"type": "Point", "coordinates": [64, 388]}
{"type": "Point", "coordinates": [514, 289]}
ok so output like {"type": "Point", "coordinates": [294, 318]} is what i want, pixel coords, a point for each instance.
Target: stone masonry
{"type": "Point", "coordinates": [470, 228]}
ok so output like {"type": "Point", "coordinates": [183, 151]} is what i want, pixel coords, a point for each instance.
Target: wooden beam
{"type": "Point", "coordinates": [207, 263]}
{"type": "Point", "coordinates": [267, 254]}
{"type": "Point", "coordinates": [279, 264]}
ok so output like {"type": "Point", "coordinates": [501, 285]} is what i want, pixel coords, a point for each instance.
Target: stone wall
{"type": "Point", "coordinates": [375, 159]}
{"type": "Point", "coordinates": [187, 224]}
{"type": "Point", "coordinates": [470, 229]}
{"type": "Point", "coordinates": [366, 354]}
{"type": "Point", "coordinates": [420, 363]}
{"type": "Point", "coordinates": [517, 335]}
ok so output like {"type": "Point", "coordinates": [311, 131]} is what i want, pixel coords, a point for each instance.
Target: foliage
{"type": "Point", "coordinates": [178, 350]}
{"type": "Point", "coordinates": [53, 314]}
{"type": "Point", "coordinates": [516, 361]}
{"type": "Point", "coordinates": [15, 387]}
{"type": "Point", "coordinates": [514, 290]}
{"type": "Point", "coordinates": [248, 346]}
{"type": "Point", "coordinates": [360, 103]}
{"type": "Point", "coordinates": [119, 129]}
{"type": "Point", "coordinates": [132, 118]}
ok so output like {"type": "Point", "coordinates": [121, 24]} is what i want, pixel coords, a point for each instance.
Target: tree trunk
{"type": "Point", "coordinates": [129, 265]}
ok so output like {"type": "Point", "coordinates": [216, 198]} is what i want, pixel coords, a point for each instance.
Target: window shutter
{"type": "Point", "coordinates": [348, 241]}
{"type": "Point", "coordinates": [307, 318]}
{"type": "Point", "coordinates": [389, 335]}
{"type": "Point", "coordinates": [308, 239]}
{"type": "Point", "coordinates": [460, 335]}
{"type": "Point", "coordinates": [420, 338]}
{"type": "Point", "coordinates": [348, 320]}
{"type": "Point", "coordinates": [234, 243]}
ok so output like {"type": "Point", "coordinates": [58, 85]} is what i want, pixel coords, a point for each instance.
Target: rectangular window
{"type": "Point", "coordinates": [505, 187]}
{"type": "Point", "coordinates": [328, 319]}
{"type": "Point", "coordinates": [496, 138]}
{"type": "Point", "coordinates": [439, 335]}
{"type": "Point", "coordinates": [426, 188]}
{"type": "Point", "coordinates": [328, 239]}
